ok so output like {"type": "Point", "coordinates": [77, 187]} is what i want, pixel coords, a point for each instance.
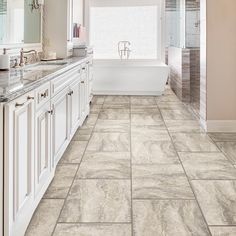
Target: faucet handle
{"type": "Point", "coordinates": [16, 64]}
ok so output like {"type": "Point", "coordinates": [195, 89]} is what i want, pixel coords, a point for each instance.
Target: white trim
{"type": "Point", "coordinates": [124, 93]}
{"type": "Point", "coordinates": [227, 126]}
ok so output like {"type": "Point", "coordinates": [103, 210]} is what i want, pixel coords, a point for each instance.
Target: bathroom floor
{"type": "Point", "coordinates": [141, 166]}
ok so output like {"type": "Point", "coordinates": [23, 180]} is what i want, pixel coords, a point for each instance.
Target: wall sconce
{"type": "Point", "coordinates": [36, 4]}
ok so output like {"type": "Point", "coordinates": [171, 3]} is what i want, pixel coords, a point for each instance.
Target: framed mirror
{"type": "Point", "coordinates": [20, 23]}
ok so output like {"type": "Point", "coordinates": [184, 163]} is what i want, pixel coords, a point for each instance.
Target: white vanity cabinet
{"type": "Point", "coordinates": [90, 79]}
{"type": "Point", "coordinates": [60, 124]}
{"type": "Point", "coordinates": [43, 171]}
{"type": "Point", "coordinates": [38, 128]}
{"type": "Point", "coordinates": [19, 164]}
{"type": "Point", "coordinates": [74, 99]}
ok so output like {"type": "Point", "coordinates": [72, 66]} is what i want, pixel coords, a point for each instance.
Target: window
{"type": "Point", "coordinates": [140, 25]}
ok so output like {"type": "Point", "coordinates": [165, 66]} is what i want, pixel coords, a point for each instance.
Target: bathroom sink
{"type": "Point", "coordinates": [45, 66]}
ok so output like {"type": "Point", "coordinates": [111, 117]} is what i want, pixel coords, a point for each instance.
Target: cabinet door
{"type": "Point", "coordinates": [74, 107]}
{"type": "Point", "coordinates": [19, 165]}
{"type": "Point", "coordinates": [42, 150]}
{"type": "Point", "coordinates": [90, 85]}
{"type": "Point", "coordinates": [83, 94]}
{"type": "Point", "coordinates": [60, 125]}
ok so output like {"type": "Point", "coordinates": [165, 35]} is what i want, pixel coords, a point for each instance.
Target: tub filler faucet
{"type": "Point", "coordinates": [124, 50]}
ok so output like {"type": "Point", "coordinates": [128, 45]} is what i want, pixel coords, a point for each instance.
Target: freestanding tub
{"type": "Point", "coordinates": [129, 77]}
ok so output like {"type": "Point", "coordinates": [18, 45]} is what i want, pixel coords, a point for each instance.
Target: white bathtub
{"type": "Point", "coordinates": [130, 77]}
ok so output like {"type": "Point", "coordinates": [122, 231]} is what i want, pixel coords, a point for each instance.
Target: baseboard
{"type": "Point", "coordinates": [129, 93]}
{"type": "Point", "coordinates": [221, 126]}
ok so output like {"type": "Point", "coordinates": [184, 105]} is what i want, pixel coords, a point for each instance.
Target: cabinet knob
{"type": "Point", "coordinates": [50, 112]}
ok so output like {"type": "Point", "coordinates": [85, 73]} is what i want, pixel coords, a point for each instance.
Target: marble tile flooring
{"type": "Point", "coordinates": [141, 166]}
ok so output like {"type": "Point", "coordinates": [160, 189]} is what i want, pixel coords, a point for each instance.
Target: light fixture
{"type": "Point", "coordinates": [36, 4]}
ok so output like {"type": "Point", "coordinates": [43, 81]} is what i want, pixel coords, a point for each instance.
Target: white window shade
{"type": "Point", "coordinates": [113, 21]}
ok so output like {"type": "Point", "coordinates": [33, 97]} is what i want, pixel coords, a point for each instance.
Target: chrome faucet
{"type": "Point", "coordinates": [22, 57]}
{"type": "Point", "coordinates": [124, 50]}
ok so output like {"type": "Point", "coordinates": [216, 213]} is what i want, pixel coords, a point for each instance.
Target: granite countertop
{"type": "Point", "coordinates": [17, 82]}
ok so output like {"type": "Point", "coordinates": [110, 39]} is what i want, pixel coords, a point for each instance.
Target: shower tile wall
{"type": "Point", "coordinates": [179, 62]}
{"type": "Point", "coordinates": [185, 62]}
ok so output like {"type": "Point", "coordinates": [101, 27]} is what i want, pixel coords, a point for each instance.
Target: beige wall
{"type": "Point", "coordinates": [221, 59]}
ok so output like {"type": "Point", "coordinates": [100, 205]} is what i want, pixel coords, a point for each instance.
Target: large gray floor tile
{"type": "Point", "coordinates": [167, 98]}
{"type": "Point", "coordinates": [192, 142]}
{"type": "Point", "coordinates": [145, 109]}
{"type": "Point", "coordinates": [229, 149]}
{"type": "Point", "coordinates": [188, 126]}
{"type": "Point", "coordinates": [145, 118]}
{"type": "Point", "coordinates": [45, 218]}
{"type": "Point", "coordinates": [207, 166]}
{"type": "Point", "coordinates": [160, 182]}
{"type": "Point", "coordinates": [74, 152]}
{"type": "Point", "coordinates": [181, 114]}
{"type": "Point", "coordinates": [157, 171]}
{"type": "Point", "coordinates": [95, 108]}
{"type": "Point", "coordinates": [223, 137]}
{"type": "Point", "coordinates": [162, 188]}
{"type": "Point", "coordinates": [105, 166]}
{"type": "Point", "coordinates": [171, 105]}
{"type": "Point", "coordinates": [113, 126]}
{"type": "Point", "coordinates": [152, 147]}
{"type": "Point", "coordinates": [98, 100]}
{"type": "Point", "coordinates": [116, 106]}
{"type": "Point", "coordinates": [109, 142]}
{"type": "Point", "coordinates": [98, 201]}
{"type": "Point", "coordinates": [217, 200]}
{"type": "Point", "coordinates": [91, 120]}
{"type": "Point", "coordinates": [223, 231]}
{"type": "Point", "coordinates": [142, 101]}
{"type": "Point", "coordinates": [114, 114]}
{"type": "Point", "coordinates": [83, 133]}
{"type": "Point", "coordinates": [168, 218]}
{"type": "Point", "coordinates": [93, 230]}
{"type": "Point", "coordinates": [117, 99]}
{"type": "Point", "coordinates": [158, 128]}
{"type": "Point", "coordinates": [62, 181]}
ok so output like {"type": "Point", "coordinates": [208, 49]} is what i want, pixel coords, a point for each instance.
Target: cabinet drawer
{"type": "Point", "coordinates": [42, 94]}
{"type": "Point", "coordinates": [59, 83]}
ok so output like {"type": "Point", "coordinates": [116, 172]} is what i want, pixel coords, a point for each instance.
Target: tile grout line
{"type": "Point", "coordinates": [131, 168]}
{"type": "Point", "coordinates": [57, 222]}
{"type": "Point", "coordinates": [203, 216]}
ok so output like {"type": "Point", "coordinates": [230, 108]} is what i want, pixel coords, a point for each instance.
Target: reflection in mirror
{"type": "Point", "coordinates": [18, 23]}
{"type": "Point", "coordinates": [12, 21]}
{"type": "Point", "coordinates": [32, 28]}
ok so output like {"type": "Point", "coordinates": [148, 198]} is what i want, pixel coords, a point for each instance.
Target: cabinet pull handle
{"type": "Point", "coordinates": [19, 104]}
{"type": "Point", "coordinates": [44, 95]}
{"type": "Point", "coordinates": [83, 68]}
{"type": "Point", "coordinates": [30, 98]}
{"type": "Point", "coordinates": [82, 82]}
{"type": "Point", "coordinates": [70, 93]}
